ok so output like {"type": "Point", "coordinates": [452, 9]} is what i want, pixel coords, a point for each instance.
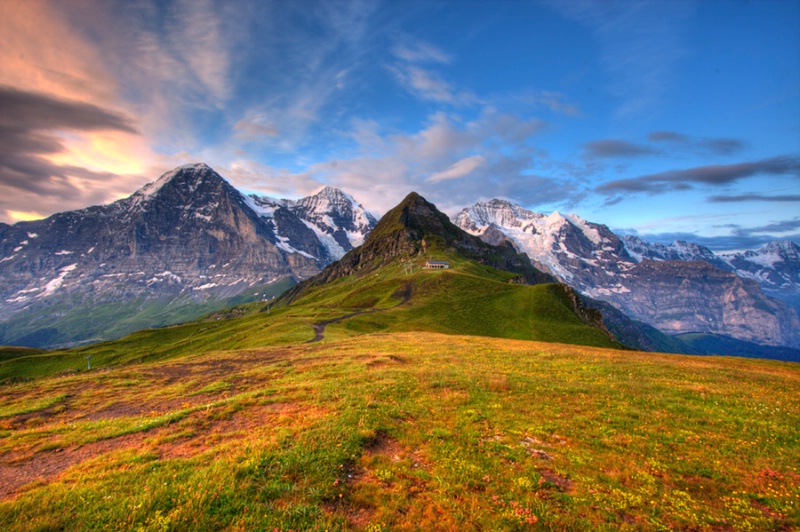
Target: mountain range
{"type": "Point", "coordinates": [189, 243]}
{"type": "Point", "coordinates": [176, 249]}
{"type": "Point", "coordinates": [679, 289]}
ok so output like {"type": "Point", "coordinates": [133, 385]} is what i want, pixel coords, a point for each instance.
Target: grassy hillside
{"type": "Point", "coordinates": [469, 298]}
{"type": "Point", "coordinates": [405, 431]}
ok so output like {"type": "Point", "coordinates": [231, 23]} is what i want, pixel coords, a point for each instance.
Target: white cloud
{"type": "Point", "coordinates": [440, 161]}
{"type": "Point", "coordinates": [459, 169]}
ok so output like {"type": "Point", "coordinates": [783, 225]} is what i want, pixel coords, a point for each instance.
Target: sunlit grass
{"type": "Point", "coordinates": [408, 431]}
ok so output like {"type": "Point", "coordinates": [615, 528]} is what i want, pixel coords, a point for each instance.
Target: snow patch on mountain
{"type": "Point", "coordinates": [56, 283]}
{"type": "Point", "coordinates": [334, 249]}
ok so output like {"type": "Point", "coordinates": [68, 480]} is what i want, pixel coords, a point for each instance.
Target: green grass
{"type": "Point", "coordinates": [407, 431]}
{"type": "Point", "coordinates": [11, 352]}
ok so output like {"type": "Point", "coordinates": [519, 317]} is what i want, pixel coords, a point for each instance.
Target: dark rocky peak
{"type": "Point", "coordinates": [414, 219]}
{"type": "Point", "coordinates": [184, 185]}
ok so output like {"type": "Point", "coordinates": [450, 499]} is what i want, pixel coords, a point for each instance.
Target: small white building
{"type": "Point", "coordinates": [436, 265]}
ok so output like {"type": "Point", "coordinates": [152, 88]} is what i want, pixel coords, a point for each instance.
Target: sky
{"type": "Point", "coordinates": [670, 119]}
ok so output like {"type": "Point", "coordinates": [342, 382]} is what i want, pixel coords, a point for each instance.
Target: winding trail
{"type": "Point", "coordinates": [319, 327]}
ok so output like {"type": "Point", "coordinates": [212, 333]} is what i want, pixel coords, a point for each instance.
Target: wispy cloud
{"type": "Point", "coordinates": [307, 69]}
{"type": "Point", "coordinates": [182, 46]}
{"type": "Point", "coordinates": [713, 175]}
{"type": "Point", "coordinates": [255, 127]}
{"type": "Point", "coordinates": [554, 101]}
{"type": "Point", "coordinates": [422, 81]}
{"type": "Point", "coordinates": [428, 85]}
{"type": "Point", "coordinates": [418, 51]}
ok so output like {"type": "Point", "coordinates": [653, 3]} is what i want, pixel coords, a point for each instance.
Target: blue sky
{"type": "Point", "coordinates": [670, 119]}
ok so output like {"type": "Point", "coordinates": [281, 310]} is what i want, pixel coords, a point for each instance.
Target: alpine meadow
{"type": "Point", "coordinates": [419, 265]}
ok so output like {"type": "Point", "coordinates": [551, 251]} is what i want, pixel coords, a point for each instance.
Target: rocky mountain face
{"type": "Point", "coordinates": [677, 289]}
{"type": "Point", "coordinates": [775, 267]}
{"type": "Point", "coordinates": [187, 238]}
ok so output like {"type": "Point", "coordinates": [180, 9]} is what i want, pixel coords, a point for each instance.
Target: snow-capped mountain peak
{"type": "Point", "coordinates": [330, 218]}
{"type": "Point", "coordinates": [774, 252]}
{"type": "Point", "coordinates": [551, 241]}
{"type": "Point", "coordinates": [499, 212]}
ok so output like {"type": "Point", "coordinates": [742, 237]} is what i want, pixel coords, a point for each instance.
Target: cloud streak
{"type": "Point", "coordinates": [24, 110]}
{"type": "Point", "coordinates": [720, 146]}
{"type": "Point", "coordinates": [418, 51]}
{"type": "Point", "coordinates": [754, 197]}
{"type": "Point", "coordinates": [430, 86]}
{"type": "Point", "coordinates": [459, 169]}
{"type": "Point", "coordinates": [611, 148]}
{"type": "Point", "coordinates": [713, 175]}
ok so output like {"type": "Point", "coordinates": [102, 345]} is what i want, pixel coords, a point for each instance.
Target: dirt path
{"type": "Point", "coordinates": [319, 328]}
